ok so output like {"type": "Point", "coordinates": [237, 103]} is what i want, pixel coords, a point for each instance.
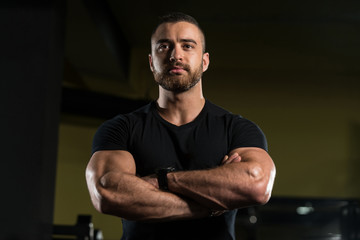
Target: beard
{"type": "Point", "coordinates": [178, 83]}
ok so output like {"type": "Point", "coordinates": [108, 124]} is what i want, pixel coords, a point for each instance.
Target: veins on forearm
{"type": "Point", "coordinates": [223, 188]}
{"type": "Point", "coordinates": [133, 198]}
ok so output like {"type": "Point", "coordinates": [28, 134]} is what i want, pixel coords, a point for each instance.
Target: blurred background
{"type": "Point", "coordinates": [292, 67]}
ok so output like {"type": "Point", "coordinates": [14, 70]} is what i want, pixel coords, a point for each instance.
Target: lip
{"type": "Point", "coordinates": [176, 70]}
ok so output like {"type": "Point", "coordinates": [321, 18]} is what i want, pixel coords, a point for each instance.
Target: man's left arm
{"type": "Point", "coordinates": [245, 178]}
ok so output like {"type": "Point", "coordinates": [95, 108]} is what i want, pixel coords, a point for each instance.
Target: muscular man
{"type": "Point", "coordinates": [179, 167]}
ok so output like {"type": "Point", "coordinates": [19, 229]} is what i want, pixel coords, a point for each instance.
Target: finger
{"type": "Point", "coordinates": [234, 155]}
{"type": "Point", "coordinates": [232, 159]}
{"type": "Point", "coordinates": [237, 159]}
{"type": "Point", "coordinates": [225, 159]}
{"type": "Point", "coordinates": [228, 161]}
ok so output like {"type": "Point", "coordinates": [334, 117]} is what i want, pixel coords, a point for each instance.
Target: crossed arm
{"type": "Point", "coordinates": [245, 178]}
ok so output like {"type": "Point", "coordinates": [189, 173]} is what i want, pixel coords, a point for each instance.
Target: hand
{"type": "Point", "coordinates": [152, 179]}
{"type": "Point", "coordinates": [235, 157]}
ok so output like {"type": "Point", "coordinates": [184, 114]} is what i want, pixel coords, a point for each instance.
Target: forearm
{"type": "Point", "coordinates": [216, 188]}
{"type": "Point", "coordinates": [132, 198]}
{"type": "Point", "coordinates": [235, 185]}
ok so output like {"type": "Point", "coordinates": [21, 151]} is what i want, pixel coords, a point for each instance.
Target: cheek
{"type": "Point", "coordinates": [155, 62]}
{"type": "Point", "coordinates": [158, 67]}
{"type": "Point", "coordinates": [200, 64]}
{"type": "Point", "coordinates": [155, 65]}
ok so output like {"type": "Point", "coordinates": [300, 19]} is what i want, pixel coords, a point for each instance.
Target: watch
{"type": "Point", "coordinates": [162, 177]}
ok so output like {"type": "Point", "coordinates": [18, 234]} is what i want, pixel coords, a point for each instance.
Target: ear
{"type": "Point", "coordinates": [151, 63]}
{"type": "Point", "coordinates": [206, 61]}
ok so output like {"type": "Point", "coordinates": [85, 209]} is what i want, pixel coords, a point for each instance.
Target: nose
{"type": "Point", "coordinates": [176, 54]}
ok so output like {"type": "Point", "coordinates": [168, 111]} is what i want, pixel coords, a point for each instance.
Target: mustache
{"type": "Point", "coordinates": [184, 66]}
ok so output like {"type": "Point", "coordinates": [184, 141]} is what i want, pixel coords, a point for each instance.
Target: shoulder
{"type": "Point", "coordinates": [248, 134]}
{"type": "Point", "coordinates": [236, 119]}
{"type": "Point", "coordinates": [114, 133]}
{"type": "Point", "coordinates": [122, 123]}
{"type": "Point", "coordinates": [242, 131]}
{"type": "Point", "coordinates": [229, 118]}
{"type": "Point", "coordinates": [216, 110]}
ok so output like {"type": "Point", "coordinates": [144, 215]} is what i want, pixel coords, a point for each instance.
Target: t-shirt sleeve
{"type": "Point", "coordinates": [112, 135]}
{"type": "Point", "coordinates": [245, 133]}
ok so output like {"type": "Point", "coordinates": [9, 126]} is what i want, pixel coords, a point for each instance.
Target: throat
{"type": "Point", "coordinates": [180, 115]}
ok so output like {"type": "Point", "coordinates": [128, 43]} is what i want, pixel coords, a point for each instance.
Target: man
{"type": "Point", "coordinates": [179, 167]}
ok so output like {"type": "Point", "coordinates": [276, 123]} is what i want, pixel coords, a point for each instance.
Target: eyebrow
{"type": "Point", "coordinates": [165, 40]}
{"type": "Point", "coordinates": [188, 40]}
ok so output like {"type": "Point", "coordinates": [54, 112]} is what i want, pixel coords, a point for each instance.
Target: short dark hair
{"type": "Point", "coordinates": [174, 17]}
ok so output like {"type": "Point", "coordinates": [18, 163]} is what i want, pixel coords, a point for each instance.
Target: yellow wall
{"type": "Point", "coordinates": [71, 197]}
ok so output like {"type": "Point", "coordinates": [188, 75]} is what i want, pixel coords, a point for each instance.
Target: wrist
{"type": "Point", "coordinates": [162, 177]}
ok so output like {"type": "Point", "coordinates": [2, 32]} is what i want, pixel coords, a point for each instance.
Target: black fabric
{"type": "Point", "coordinates": [211, 228]}
{"type": "Point", "coordinates": [200, 144]}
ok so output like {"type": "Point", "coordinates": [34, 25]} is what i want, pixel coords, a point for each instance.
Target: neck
{"type": "Point", "coordinates": [181, 108]}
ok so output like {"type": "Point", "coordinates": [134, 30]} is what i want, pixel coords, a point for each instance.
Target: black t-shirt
{"type": "Point", "coordinates": [200, 144]}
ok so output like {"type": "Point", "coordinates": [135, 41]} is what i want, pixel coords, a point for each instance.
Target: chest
{"type": "Point", "coordinates": [155, 145]}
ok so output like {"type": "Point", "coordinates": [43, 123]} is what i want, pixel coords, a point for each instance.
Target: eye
{"type": "Point", "coordinates": [188, 46]}
{"type": "Point", "coordinates": [163, 47]}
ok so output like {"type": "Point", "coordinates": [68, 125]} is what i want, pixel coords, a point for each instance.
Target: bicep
{"type": "Point", "coordinates": [104, 170]}
{"type": "Point", "coordinates": [104, 162]}
{"type": "Point", "coordinates": [260, 167]}
{"type": "Point", "coordinates": [253, 155]}
{"type": "Point", "coordinates": [257, 161]}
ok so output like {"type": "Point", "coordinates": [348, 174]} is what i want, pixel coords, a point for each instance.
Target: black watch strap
{"type": "Point", "coordinates": [162, 177]}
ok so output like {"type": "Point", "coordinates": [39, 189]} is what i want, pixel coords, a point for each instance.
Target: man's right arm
{"type": "Point", "coordinates": [116, 190]}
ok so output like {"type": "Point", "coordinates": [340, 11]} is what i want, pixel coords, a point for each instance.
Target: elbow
{"type": "Point", "coordinates": [261, 189]}
{"type": "Point", "coordinates": [260, 197]}
{"type": "Point", "coordinates": [261, 193]}
{"type": "Point", "coordinates": [96, 192]}
{"type": "Point", "coordinates": [101, 199]}
{"type": "Point", "coordinates": [101, 205]}
{"type": "Point", "coordinates": [104, 203]}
